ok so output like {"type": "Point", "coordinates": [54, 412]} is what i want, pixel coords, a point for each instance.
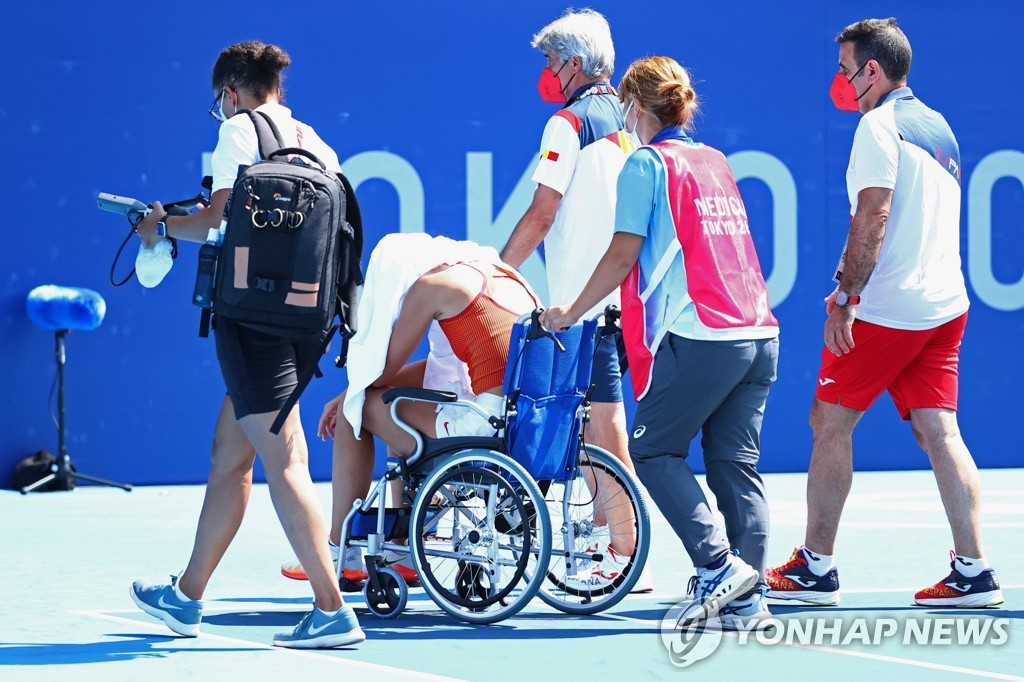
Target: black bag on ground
{"type": "Point", "coordinates": [290, 259]}
{"type": "Point", "coordinates": [34, 467]}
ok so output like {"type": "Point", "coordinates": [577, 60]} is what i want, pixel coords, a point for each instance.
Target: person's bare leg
{"type": "Point", "coordinates": [285, 462]}
{"type": "Point", "coordinates": [607, 430]}
{"type": "Point", "coordinates": [227, 494]}
{"type": "Point", "coordinates": [830, 474]}
{"type": "Point", "coordinates": [938, 434]}
{"type": "Point", "coordinates": [353, 458]}
{"type": "Point", "coordinates": [351, 472]}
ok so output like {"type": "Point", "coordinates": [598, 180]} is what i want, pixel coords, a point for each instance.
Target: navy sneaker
{"type": "Point", "coordinates": [161, 601]}
{"type": "Point", "coordinates": [958, 590]}
{"type": "Point", "coordinates": [317, 630]}
{"type": "Point", "coordinates": [794, 580]}
{"type": "Point", "coordinates": [713, 588]}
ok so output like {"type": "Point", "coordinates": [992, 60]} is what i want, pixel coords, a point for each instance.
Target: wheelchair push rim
{"type": "Point", "coordinates": [601, 482]}
{"type": "Point", "coordinates": [476, 557]}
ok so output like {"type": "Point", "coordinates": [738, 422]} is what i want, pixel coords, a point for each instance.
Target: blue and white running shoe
{"type": "Point", "coordinates": [317, 630]}
{"type": "Point", "coordinates": [160, 601]}
{"type": "Point", "coordinates": [746, 614]}
{"type": "Point", "coordinates": [713, 588]}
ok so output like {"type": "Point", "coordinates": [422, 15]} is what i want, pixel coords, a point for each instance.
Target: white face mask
{"type": "Point", "coordinates": [632, 133]}
{"type": "Point", "coordinates": [217, 108]}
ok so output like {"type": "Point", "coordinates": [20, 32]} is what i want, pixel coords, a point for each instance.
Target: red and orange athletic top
{"type": "Point", "coordinates": [480, 334]}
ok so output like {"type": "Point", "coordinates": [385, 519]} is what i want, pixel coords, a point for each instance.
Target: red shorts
{"type": "Point", "coordinates": [917, 367]}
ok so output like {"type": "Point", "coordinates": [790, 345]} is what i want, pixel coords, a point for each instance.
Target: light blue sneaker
{"type": "Point", "coordinates": [160, 601]}
{"type": "Point", "coordinates": [317, 630]}
{"type": "Point", "coordinates": [746, 614]}
{"type": "Point", "coordinates": [713, 588]}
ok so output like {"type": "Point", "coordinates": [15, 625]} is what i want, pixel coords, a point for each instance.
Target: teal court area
{"type": "Point", "coordinates": [67, 560]}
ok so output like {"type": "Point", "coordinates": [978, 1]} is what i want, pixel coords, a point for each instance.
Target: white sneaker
{"type": "Point", "coordinates": [746, 614]}
{"type": "Point", "coordinates": [598, 575]}
{"type": "Point", "coordinates": [401, 562]}
{"type": "Point", "coordinates": [645, 583]}
{"type": "Point", "coordinates": [293, 568]}
{"type": "Point", "coordinates": [713, 588]}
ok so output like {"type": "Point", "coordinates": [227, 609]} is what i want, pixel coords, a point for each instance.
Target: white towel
{"type": "Point", "coordinates": [395, 264]}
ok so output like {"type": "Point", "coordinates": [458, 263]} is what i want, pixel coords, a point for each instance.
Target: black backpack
{"type": "Point", "coordinates": [290, 259]}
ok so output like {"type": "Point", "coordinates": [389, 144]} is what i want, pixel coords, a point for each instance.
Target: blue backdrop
{"type": "Point", "coordinates": [433, 110]}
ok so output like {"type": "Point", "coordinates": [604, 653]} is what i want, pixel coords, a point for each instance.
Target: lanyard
{"type": "Point", "coordinates": [599, 89]}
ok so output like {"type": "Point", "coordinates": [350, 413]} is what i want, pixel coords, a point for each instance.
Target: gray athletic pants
{"type": "Point", "coordinates": [720, 389]}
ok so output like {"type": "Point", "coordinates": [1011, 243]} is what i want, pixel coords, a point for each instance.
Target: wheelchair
{"type": "Point", "coordinates": [495, 521]}
{"type": "Point", "coordinates": [477, 523]}
{"type": "Point", "coordinates": [600, 522]}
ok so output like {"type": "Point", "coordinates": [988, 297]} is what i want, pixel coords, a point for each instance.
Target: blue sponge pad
{"type": "Point", "coordinates": [54, 307]}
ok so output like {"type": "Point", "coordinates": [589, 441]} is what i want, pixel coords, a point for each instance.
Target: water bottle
{"type": "Point", "coordinates": [206, 273]}
{"type": "Point", "coordinates": [153, 264]}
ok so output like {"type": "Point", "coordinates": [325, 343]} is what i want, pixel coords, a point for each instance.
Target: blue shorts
{"type": "Point", "coordinates": [607, 378]}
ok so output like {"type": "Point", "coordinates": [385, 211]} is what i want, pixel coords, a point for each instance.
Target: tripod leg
{"type": "Point", "coordinates": [42, 481]}
{"type": "Point", "coordinates": [101, 481]}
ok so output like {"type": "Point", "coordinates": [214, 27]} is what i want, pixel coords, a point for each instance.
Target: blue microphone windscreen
{"type": "Point", "coordinates": [56, 307]}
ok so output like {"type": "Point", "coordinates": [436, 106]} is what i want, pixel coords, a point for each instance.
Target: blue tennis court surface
{"type": "Point", "coordinates": [67, 559]}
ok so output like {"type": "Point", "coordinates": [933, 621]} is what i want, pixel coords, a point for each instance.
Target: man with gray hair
{"type": "Point", "coordinates": [583, 148]}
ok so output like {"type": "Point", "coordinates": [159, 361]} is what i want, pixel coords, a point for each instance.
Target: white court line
{"type": "Point", "coordinates": [393, 673]}
{"type": "Point", "coordinates": [860, 654]}
{"type": "Point", "coordinates": [802, 522]}
{"type": "Point", "coordinates": [869, 590]}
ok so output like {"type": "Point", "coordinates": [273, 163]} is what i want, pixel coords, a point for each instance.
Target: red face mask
{"type": "Point", "coordinates": [843, 94]}
{"type": "Point", "coordinates": [549, 87]}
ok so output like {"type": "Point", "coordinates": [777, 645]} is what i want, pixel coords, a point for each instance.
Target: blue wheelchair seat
{"type": "Point", "coordinates": [545, 387]}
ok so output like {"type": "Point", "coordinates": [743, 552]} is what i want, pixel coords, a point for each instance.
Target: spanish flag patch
{"type": "Point", "coordinates": [549, 155]}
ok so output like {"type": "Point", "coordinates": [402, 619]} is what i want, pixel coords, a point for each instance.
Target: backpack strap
{"type": "Point", "coordinates": [316, 351]}
{"type": "Point", "coordinates": [347, 293]}
{"type": "Point", "coordinates": [268, 137]}
{"type": "Point", "coordinates": [354, 217]}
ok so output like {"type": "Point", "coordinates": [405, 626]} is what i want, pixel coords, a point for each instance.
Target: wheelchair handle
{"type": "Point", "coordinates": [537, 330]}
{"type": "Point", "coordinates": [611, 325]}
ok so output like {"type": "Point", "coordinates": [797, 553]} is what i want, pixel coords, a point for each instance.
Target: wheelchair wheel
{"type": "Point", "coordinates": [477, 535]}
{"type": "Point", "coordinates": [390, 600]}
{"type": "Point", "coordinates": [601, 535]}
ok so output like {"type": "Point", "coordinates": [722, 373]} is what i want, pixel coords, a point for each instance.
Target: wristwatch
{"type": "Point", "coordinates": [161, 228]}
{"type": "Point", "coordinates": [843, 299]}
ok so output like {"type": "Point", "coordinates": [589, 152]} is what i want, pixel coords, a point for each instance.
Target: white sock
{"type": "Point", "coordinates": [334, 549]}
{"type": "Point", "coordinates": [181, 595]}
{"type": "Point", "coordinates": [969, 567]}
{"type": "Point", "coordinates": [329, 614]}
{"type": "Point", "coordinates": [820, 564]}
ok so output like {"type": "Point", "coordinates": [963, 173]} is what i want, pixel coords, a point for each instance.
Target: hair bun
{"type": "Point", "coordinates": [273, 58]}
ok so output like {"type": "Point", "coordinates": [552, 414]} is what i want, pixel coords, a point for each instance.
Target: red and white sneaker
{"type": "Point", "coordinates": [958, 590]}
{"type": "Point", "coordinates": [598, 575]}
{"type": "Point", "coordinates": [353, 571]}
{"type": "Point", "coordinates": [401, 563]}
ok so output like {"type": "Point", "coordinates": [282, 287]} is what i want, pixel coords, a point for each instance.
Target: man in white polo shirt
{"type": "Point", "coordinates": [583, 148]}
{"type": "Point", "coordinates": [896, 319]}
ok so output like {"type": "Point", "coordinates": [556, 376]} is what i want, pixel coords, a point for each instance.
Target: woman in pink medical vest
{"type": "Point", "coordinates": [700, 336]}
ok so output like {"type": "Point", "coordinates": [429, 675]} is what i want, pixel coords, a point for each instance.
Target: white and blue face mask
{"type": "Point", "coordinates": [632, 133]}
{"type": "Point", "coordinates": [217, 108]}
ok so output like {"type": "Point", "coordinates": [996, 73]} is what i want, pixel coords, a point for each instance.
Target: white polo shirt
{"type": "Point", "coordinates": [582, 151]}
{"type": "Point", "coordinates": [904, 146]}
{"type": "Point", "coordinates": [237, 144]}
